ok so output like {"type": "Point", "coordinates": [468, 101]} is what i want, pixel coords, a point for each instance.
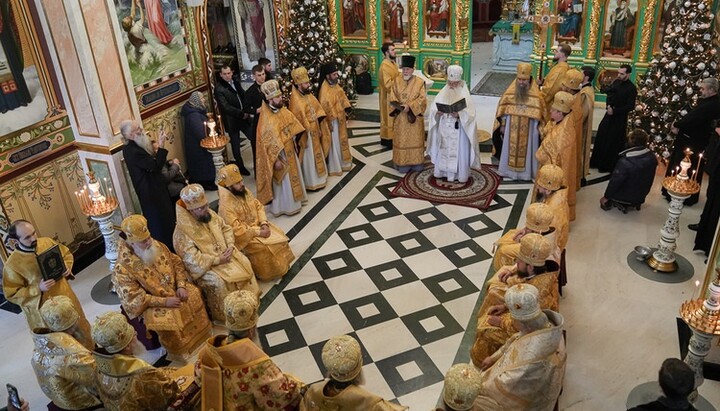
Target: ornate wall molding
{"type": "Point", "coordinates": [594, 29]}
{"type": "Point", "coordinates": [372, 12]}
{"type": "Point", "coordinates": [414, 25]}
{"type": "Point", "coordinates": [332, 16]}
{"type": "Point", "coordinates": [647, 31]}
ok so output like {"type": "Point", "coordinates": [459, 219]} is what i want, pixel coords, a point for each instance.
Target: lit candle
{"type": "Point", "coordinates": [112, 197]}
{"type": "Point", "coordinates": [220, 124]}
{"type": "Point", "coordinates": [698, 165]}
{"type": "Point", "coordinates": [696, 290]}
{"type": "Point", "coordinates": [672, 173]}
{"type": "Point", "coordinates": [105, 189]}
{"type": "Point", "coordinates": [205, 123]}
{"type": "Point", "coordinates": [692, 175]}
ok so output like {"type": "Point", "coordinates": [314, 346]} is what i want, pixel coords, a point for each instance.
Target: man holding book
{"type": "Point", "coordinates": [29, 283]}
{"type": "Point", "coordinates": [451, 139]}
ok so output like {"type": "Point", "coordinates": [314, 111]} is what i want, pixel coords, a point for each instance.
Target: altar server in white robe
{"type": "Point", "coordinates": [451, 136]}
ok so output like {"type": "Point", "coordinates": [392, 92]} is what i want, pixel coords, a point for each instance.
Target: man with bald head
{"type": "Point", "coordinates": [145, 169]}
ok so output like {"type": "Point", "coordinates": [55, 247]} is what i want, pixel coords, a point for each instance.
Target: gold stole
{"type": "Point", "coordinates": [309, 112]}
{"type": "Point", "coordinates": [334, 102]}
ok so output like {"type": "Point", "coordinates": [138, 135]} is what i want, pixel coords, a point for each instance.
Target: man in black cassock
{"type": "Point", "coordinates": [230, 97]}
{"type": "Point", "coordinates": [612, 131]}
{"type": "Point", "coordinates": [254, 98]}
{"type": "Point", "coordinates": [693, 131]}
{"type": "Point", "coordinates": [145, 169]}
{"type": "Point", "coordinates": [711, 212]}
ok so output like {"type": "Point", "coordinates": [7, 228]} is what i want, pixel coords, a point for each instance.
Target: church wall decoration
{"type": "Point", "coordinates": [395, 15]}
{"type": "Point", "coordinates": [620, 28]}
{"type": "Point", "coordinates": [436, 68]}
{"type": "Point", "coordinates": [258, 24]}
{"type": "Point", "coordinates": [437, 20]}
{"type": "Point", "coordinates": [354, 19]}
{"type": "Point", "coordinates": [572, 29]}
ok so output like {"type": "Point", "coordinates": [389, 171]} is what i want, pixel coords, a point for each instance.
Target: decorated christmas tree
{"type": "Point", "coordinates": [670, 88]}
{"type": "Point", "coordinates": [310, 43]}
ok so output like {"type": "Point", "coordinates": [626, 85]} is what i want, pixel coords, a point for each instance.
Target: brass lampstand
{"type": "Point", "coordinates": [215, 143]}
{"type": "Point", "coordinates": [98, 202]}
{"type": "Point", "coordinates": [680, 187]}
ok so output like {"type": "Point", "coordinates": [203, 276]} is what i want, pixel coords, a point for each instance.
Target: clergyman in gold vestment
{"type": "Point", "coordinates": [538, 219]}
{"type": "Point", "coordinates": [408, 100]}
{"type": "Point", "coordinates": [152, 282]}
{"type": "Point", "coordinates": [571, 83]}
{"type": "Point", "coordinates": [549, 189]}
{"type": "Point", "coordinates": [335, 102]}
{"type": "Point", "coordinates": [64, 368]}
{"type": "Point", "coordinates": [552, 83]}
{"type": "Point", "coordinates": [206, 245]}
{"type": "Point", "coordinates": [264, 243]}
{"type": "Point", "coordinates": [386, 78]}
{"type": "Point", "coordinates": [23, 283]}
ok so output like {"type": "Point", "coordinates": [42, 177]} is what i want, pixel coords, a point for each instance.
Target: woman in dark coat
{"type": "Point", "coordinates": [199, 161]}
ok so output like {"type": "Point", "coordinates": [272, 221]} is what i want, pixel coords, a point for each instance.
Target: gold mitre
{"type": "Point", "coordinates": [524, 71]}
{"type": "Point", "coordinates": [342, 357]}
{"type": "Point", "coordinates": [271, 89]}
{"type": "Point", "coordinates": [550, 177]}
{"type": "Point", "coordinates": [563, 102]}
{"type": "Point", "coordinates": [572, 79]}
{"type": "Point", "coordinates": [462, 386]}
{"type": "Point", "coordinates": [522, 302]}
{"type": "Point", "coordinates": [241, 310]}
{"type": "Point", "coordinates": [538, 217]}
{"type": "Point", "coordinates": [534, 249]}
{"type": "Point", "coordinates": [112, 332]}
{"type": "Point", "coordinates": [59, 313]}
{"type": "Point", "coordinates": [135, 228]}
{"type": "Point", "coordinates": [229, 175]}
{"type": "Point", "coordinates": [300, 75]}
{"type": "Point", "coordinates": [193, 196]}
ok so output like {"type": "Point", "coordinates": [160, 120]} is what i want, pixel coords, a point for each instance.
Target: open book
{"type": "Point", "coordinates": [455, 107]}
{"type": "Point", "coordinates": [52, 266]}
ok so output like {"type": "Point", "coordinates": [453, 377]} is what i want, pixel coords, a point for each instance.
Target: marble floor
{"type": "Point", "coordinates": [405, 276]}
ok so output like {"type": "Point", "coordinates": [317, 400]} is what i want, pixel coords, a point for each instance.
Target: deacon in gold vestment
{"type": "Point", "coordinates": [587, 96]}
{"type": "Point", "coordinates": [152, 282]}
{"type": "Point", "coordinates": [549, 190]}
{"type": "Point", "coordinates": [409, 100]}
{"type": "Point", "coordinates": [314, 143]}
{"type": "Point", "coordinates": [235, 373]}
{"type": "Point", "coordinates": [552, 83]}
{"type": "Point", "coordinates": [386, 78]}
{"type": "Point", "coordinates": [264, 243]}
{"type": "Point", "coordinates": [494, 325]}
{"type": "Point", "coordinates": [23, 284]}
{"type": "Point", "coordinates": [538, 219]}
{"type": "Point", "coordinates": [335, 102]}
{"type": "Point", "coordinates": [558, 145]}
{"type": "Point", "coordinates": [125, 382]}
{"type": "Point", "coordinates": [64, 368]}
{"type": "Point", "coordinates": [342, 358]}
{"type": "Point", "coordinates": [520, 114]}
{"type": "Point", "coordinates": [571, 83]}
{"type": "Point", "coordinates": [527, 372]}
{"type": "Point", "coordinates": [277, 173]}
{"type": "Point", "coordinates": [206, 245]}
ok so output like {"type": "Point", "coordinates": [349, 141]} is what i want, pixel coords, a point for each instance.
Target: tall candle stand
{"type": "Point", "coordinates": [98, 202]}
{"type": "Point", "coordinates": [215, 143]}
{"type": "Point", "coordinates": [680, 187]}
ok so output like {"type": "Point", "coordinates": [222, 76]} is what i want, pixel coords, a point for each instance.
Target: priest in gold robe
{"type": "Point", "coordinates": [494, 324]}
{"type": "Point", "coordinates": [527, 372]}
{"type": "Point", "coordinates": [538, 219]}
{"type": "Point", "coordinates": [408, 100]}
{"type": "Point", "coordinates": [552, 83]}
{"type": "Point", "coordinates": [124, 381]}
{"type": "Point", "coordinates": [334, 101]}
{"type": "Point", "coordinates": [342, 358]}
{"type": "Point", "coordinates": [64, 368]}
{"type": "Point", "coordinates": [572, 83]}
{"type": "Point", "coordinates": [549, 189]}
{"type": "Point", "coordinates": [23, 283]}
{"type": "Point", "coordinates": [587, 96]}
{"type": "Point", "coordinates": [278, 176]}
{"type": "Point", "coordinates": [520, 117]}
{"type": "Point", "coordinates": [558, 144]}
{"type": "Point", "coordinates": [234, 371]}
{"type": "Point", "coordinates": [314, 142]}
{"type": "Point", "coordinates": [386, 78]}
{"type": "Point", "coordinates": [264, 243]}
{"type": "Point", "coordinates": [206, 245]}
{"type": "Point", "coordinates": [153, 283]}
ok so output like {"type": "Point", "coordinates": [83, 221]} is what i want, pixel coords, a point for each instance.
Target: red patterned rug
{"type": "Point", "coordinates": [477, 192]}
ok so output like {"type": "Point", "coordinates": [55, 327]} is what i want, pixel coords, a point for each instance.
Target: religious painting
{"type": "Point", "coordinates": [360, 62]}
{"type": "Point", "coordinates": [437, 20]}
{"type": "Point", "coordinates": [605, 79]}
{"type": "Point", "coordinates": [395, 21]}
{"type": "Point", "coordinates": [153, 38]}
{"type": "Point", "coordinates": [22, 76]}
{"type": "Point", "coordinates": [354, 23]}
{"type": "Point", "coordinates": [436, 68]}
{"type": "Point", "coordinates": [663, 19]}
{"type": "Point", "coordinates": [254, 31]}
{"type": "Point", "coordinates": [621, 17]}
{"type": "Point", "coordinates": [570, 24]}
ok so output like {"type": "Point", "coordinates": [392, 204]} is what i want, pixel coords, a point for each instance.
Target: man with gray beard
{"type": "Point", "coordinates": [145, 169]}
{"type": "Point", "coordinates": [519, 118]}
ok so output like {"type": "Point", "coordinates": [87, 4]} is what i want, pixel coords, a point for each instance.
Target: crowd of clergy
{"type": "Point", "coordinates": [207, 278]}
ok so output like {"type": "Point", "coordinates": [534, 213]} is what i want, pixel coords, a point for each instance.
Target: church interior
{"type": "Point", "coordinates": [404, 276]}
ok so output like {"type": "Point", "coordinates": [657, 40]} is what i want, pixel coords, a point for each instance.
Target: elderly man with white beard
{"type": "Point", "coordinates": [519, 116]}
{"type": "Point", "coordinates": [152, 282]}
{"type": "Point", "coordinates": [451, 140]}
{"type": "Point", "coordinates": [145, 169]}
